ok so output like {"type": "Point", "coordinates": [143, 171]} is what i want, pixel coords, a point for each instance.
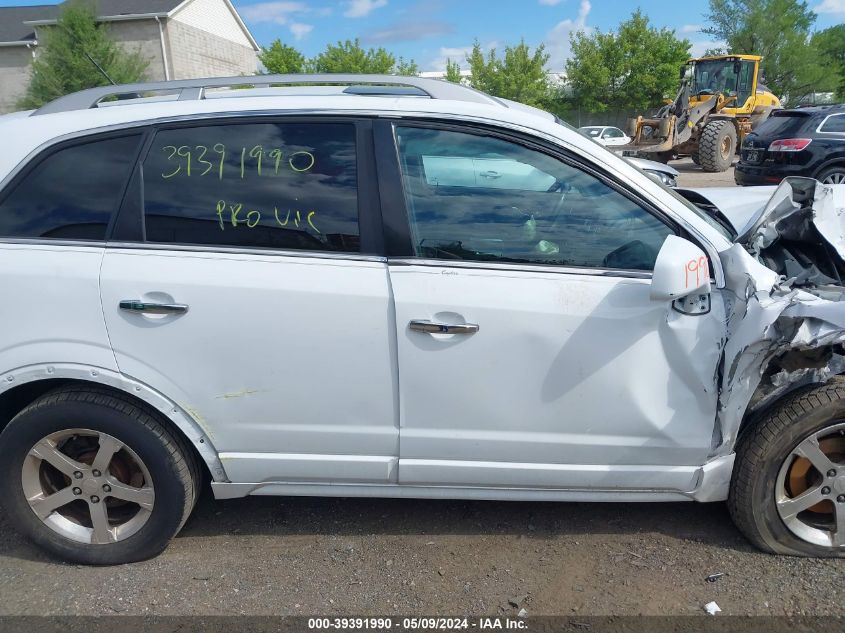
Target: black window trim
{"type": "Point", "coordinates": [369, 216]}
{"type": "Point", "coordinates": [394, 207]}
{"type": "Point", "coordinates": [37, 158]}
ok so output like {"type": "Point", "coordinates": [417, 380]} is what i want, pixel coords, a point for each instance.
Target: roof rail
{"type": "Point", "coordinates": [192, 89]}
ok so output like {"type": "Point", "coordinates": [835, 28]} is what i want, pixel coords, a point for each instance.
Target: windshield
{"type": "Point", "coordinates": [711, 77]}
{"type": "Point", "coordinates": [592, 132]}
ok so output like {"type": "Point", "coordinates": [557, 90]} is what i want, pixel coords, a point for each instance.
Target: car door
{"type": "Point", "coordinates": [530, 353]}
{"type": "Point", "coordinates": [241, 283]}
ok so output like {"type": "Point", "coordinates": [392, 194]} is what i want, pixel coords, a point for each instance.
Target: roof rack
{"type": "Point", "coordinates": [194, 89]}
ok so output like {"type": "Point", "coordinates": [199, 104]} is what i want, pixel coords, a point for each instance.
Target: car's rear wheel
{"type": "Point", "coordinates": [94, 478]}
{"type": "Point", "coordinates": [788, 488]}
{"type": "Point", "coordinates": [832, 175]}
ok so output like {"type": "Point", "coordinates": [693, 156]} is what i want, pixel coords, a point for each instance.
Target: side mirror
{"type": "Point", "coordinates": [681, 270]}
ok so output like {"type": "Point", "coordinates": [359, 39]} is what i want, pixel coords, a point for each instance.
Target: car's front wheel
{"type": "Point", "coordinates": [94, 478]}
{"type": "Point", "coordinates": [788, 488]}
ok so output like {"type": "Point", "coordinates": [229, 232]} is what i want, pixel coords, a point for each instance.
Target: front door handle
{"type": "Point", "coordinates": [134, 305]}
{"type": "Point", "coordinates": [430, 327]}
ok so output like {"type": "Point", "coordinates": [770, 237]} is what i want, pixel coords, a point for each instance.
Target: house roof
{"type": "Point", "coordinates": [12, 27]}
{"type": "Point", "coordinates": [17, 23]}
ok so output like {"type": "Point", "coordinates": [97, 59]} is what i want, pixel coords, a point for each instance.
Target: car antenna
{"type": "Point", "coordinates": [100, 68]}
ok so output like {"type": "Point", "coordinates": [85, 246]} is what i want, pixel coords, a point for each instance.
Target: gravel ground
{"type": "Point", "coordinates": [312, 556]}
{"type": "Point", "coordinates": [693, 176]}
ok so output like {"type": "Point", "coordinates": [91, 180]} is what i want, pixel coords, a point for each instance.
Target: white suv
{"type": "Point", "coordinates": [397, 287]}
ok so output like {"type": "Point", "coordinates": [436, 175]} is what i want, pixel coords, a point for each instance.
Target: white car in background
{"type": "Point", "coordinates": [607, 135]}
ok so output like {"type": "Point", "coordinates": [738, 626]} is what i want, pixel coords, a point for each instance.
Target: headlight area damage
{"type": "Point", "coordinates": [785, 302]}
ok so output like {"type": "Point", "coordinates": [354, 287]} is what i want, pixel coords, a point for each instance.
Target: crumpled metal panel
{"type": "Point", "coordinates": [784, 300]}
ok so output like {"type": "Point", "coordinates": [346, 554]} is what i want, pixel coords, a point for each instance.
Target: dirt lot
{"type": "Point", "coordinates": [311, 556]}
{"type": "Point", "coordinates": [693, 176]}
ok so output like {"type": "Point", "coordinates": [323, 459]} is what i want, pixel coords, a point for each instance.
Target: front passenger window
{"type": "Point", "coordinates": [480, 198]}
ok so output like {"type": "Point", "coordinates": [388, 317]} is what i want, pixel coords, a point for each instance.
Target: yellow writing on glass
{"type": "Point", "coordinates": [187, 160]}
{"type": "Point", "coordinates": [236, 215]}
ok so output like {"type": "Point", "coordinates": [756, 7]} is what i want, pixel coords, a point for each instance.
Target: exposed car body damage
{"type": "Point", "coordinates": [784, 308]}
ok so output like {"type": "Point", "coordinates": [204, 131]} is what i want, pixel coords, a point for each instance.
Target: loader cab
{"type": "Point", "coordinates": [731, 76]}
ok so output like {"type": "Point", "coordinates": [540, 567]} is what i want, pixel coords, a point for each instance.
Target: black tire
{"type": "Point", "coordinates": [169, 460]}
{"type": "Point", "coordinates": [717, 146]}
{"type": "Point", "coordinates": [760, 456]}
{"type": "Point", "coordinates": [836, 175]}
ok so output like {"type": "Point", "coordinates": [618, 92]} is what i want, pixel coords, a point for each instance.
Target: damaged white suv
{"type": "Point", "coordinates": [398, 287]}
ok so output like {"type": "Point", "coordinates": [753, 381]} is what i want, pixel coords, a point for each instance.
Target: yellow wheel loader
{"type": "Point", "coordinates": [720, 101]}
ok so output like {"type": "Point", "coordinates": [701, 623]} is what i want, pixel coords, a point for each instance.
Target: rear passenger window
{"type": "Point", "coordinates": [260, 185]}
{"type": "Point", "coordinates": [72, 193]}
{"type": "Point", "coordinates": [834, 123]}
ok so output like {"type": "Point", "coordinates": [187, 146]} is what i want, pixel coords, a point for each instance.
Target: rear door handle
{"type": "Point", "coordinates": [134, 305]}
{"type": "Point", "coordinates": [490, 174]}
{"type": "Point", "coordinates": [430, 327]}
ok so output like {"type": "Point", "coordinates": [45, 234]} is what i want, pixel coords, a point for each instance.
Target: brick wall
{"type": "Point", "coordinates": [14, 75]}
{"type": "Point", "coordinates": [197, 53]}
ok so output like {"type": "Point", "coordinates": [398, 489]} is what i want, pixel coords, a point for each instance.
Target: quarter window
{"type": "Point", "coordinates": [262, 185]}
{"type": "Point", "coordinates": [480, 198]}
{"type": "Point", "coordinates": [834, 123]}
{"type": "Point", "coordinates": [72, 193]}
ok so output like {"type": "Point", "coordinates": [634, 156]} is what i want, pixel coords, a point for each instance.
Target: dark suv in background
{"type": "Point", "coordinates": [803, 142]}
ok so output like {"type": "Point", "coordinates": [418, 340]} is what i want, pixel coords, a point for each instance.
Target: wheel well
{"type": "Point", "coordinates": [836, 162]}
{"type": "Point", "coordinates": [16, 399]}
{"type": "Point", "coordinates": [790, 371]}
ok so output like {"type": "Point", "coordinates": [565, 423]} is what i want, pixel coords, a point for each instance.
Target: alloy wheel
{"type": "Point", "coordinates": [87, 486]}
{"type": "Point", "coordinates": [835, 178]}
{"type": "Point", "coordinates": [810, 488]}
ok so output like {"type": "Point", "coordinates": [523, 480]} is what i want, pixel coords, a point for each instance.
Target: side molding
{"type": "Point", "coordinates": [186, 423]}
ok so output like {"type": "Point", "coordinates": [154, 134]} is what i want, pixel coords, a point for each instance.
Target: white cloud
{"type": "Point", "coordinates": [557, 40]}
{"type": "Point", "coordinates": [408, 30]}
{"type": "Point", "coordinates": [274, 12]}
{"type": "Point", "coordinates": [699, 47]}
{"type": "Point", "coordinates": [832, 7]}
{"type": "Point", "coordinates": [550, 3]}
{"type": "Point", "coordinates": [455, 53]}
{"type": "Point", "coordinates": [362, 8]}
{"type": "Point", "coordinates": [300, 30]}
{"type": "Point", "coordinates": [691, 28]}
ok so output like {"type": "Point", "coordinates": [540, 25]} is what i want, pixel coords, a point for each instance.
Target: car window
{"type": "Point", "coordinates": [573, 219]}
{"type": "Point", "coordinates": [834, 123]}
{"type": "Point", "coordinates": [592, 132]}
{"type": "Point", "coordinates": [72, 193]}
{"type": "Point", "coordinates": [613, 132]}
{"type": "Point", "coordinates": [262, 185]}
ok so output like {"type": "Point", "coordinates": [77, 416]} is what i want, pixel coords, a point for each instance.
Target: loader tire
{"type": "Point", "coordinates": [717, 146]}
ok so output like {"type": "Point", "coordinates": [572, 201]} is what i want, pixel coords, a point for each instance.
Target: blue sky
{"type": "Point", "coordinates": [429, 31]}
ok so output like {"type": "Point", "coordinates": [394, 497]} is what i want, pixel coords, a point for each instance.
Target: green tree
{"type": "Point", "coordinates": [520, 75]}
{"type": "Point", "coordinates": [779, 30]}
{"type": "Point", "coordinates": [829, 45]}
{"type": "Point", "coordinates": [351, 57]}
{"type": "Point", "coordinates": [64, 65]}
{"type": "Point", "coordinates": [634, 68]}
{"type": "Point", "coordinates": [408, 69]}
{"type": "Point", "coordinates": [282, 59]}
{"type": "Point", "coordinates": [453, 71]}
